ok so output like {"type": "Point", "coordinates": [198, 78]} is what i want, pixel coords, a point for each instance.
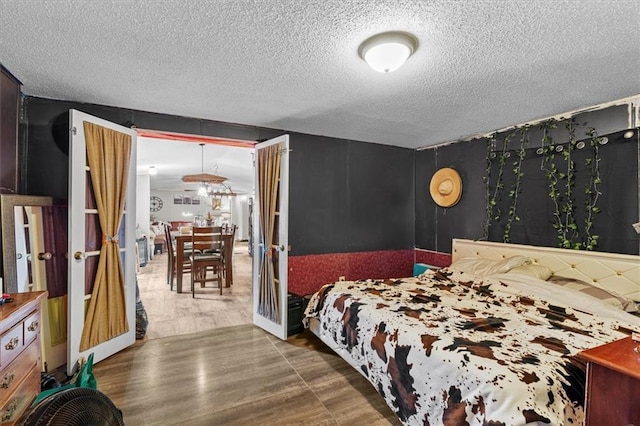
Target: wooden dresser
{"type": "Point", "coordinates": [20, 358]}
{"type": "Point", "coordinates": [613, 384]}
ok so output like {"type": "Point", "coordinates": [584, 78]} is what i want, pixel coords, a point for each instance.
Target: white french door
{"type": "Point", "coordinates": [85, 241]}
{"type": "Point", "coordinates": [270, 236]}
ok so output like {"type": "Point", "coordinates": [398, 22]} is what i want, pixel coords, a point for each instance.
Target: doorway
{"type": "Point", "coordinates": [168, 312]}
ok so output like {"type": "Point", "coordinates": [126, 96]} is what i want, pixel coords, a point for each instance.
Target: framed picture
{"type": "Point", "coordinates": [177, 198]}
{"type": "Point", "coordinates": [186, 199]}
{"type": "Point", "coordinates": [195, 201]}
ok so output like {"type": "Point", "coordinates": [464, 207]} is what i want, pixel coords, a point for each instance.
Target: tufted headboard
{"type": "Point", "coordinates": [616, 272]}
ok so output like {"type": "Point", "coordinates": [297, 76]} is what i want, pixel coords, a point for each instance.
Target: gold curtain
{"type": "Point", "coordinates": [108, 155]}
{"type": "Point", "coordinates": [268, 185]}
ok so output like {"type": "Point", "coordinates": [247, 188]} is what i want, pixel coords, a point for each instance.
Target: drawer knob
{"type": "Point", "coordinates": [8, 379]}
{"type": "Point", "coordinates": [33, 326]}
{"type": "Point", "coordinates": [12, 344]}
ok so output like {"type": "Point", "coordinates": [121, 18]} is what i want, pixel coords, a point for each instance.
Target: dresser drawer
{"type": "Point", "coordinates": [21, 399]}
{"type": "Point", "coordinates": [11, 344]}
{"type": "Point", "coordinates": [19, 368]}
{"type": "Point", "coordinates": [32, 327]}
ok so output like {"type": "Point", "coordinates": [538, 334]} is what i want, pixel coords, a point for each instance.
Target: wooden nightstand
{"type": "Point", "coordinates": [612, 394]}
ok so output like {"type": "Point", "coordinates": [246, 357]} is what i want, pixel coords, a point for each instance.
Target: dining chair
{"type": "Point", "coordinates": [206, 242]}
{"type": "Point", "coordinates": [170, 256]}
{"type": "Point", "coordinates": [172, 262]}
{"type": "Point", "coordinates": [227, 253]}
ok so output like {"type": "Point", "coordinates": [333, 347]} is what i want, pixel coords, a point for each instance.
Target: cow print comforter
{"type": "Point", "coordinates": [448, 348]}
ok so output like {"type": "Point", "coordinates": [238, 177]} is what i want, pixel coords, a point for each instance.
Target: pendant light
{"type": "Point", "coordinates": [202, 191]}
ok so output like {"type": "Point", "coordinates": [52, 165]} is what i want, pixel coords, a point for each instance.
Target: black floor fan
{"type": "Point", "coordinates": [76, 406]}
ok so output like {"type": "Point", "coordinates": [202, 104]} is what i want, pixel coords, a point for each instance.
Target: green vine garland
{"type": "Point", "coordinates": [516, 189]}
{"type": "Point", "coordinates": [491, 197]}
{"type": "Point", "coordinates": [559, 167]}
{"type": "Point", "coordinates": [591, 191]}
{"type": "Point", "coordinates": [553, 175]}
{"type": "Point", "coordinates": [570, 226]}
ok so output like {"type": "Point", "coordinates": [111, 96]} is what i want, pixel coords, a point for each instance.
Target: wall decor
{"type": "Point", "coordinates": [516, 188]}
{"type": "Point", "coordinates": [156, 203]}
{"type": "Point", "coordinates": [570, 180]}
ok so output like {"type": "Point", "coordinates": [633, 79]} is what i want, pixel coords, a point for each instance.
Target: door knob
{"type": "Point", "coordinates": [45, 256]}
{"type": "Point", "coordinates": [79, 255]}
{"type": "Point", "coordinates": [19, 256]}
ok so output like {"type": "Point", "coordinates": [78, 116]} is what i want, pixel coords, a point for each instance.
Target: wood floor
{"type": "Point", "coordinates": [230, 375]}
{"type": "Point", "coordinates": [238, 376]}
{"type": "Point", "coordinates": [172, 314]}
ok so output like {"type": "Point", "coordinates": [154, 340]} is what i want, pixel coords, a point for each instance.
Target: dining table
{"type": "Point", "coordinates": [182, 241]}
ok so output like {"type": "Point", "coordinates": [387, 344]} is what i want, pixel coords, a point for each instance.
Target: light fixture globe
{"type": "Point", "coordinates": [386, 52]}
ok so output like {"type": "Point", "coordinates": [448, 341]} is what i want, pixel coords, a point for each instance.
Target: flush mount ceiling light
{"type": "Point", "coordinates": [153, 171]}
{"type": "Point", "coordinates": [386, 52]}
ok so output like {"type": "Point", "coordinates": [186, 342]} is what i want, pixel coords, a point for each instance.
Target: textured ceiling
{"type": "Point", "coordinates": [291, 64]}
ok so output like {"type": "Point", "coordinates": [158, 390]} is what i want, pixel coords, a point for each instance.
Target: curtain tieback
{"type": "Point", "coordinates": [106, 239]}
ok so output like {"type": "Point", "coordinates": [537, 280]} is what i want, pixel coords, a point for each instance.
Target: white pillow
{"type": "Point", "coordinates": [484, 267]}
{"type": "Point", "coordinates": [607, 296]}
{"type": "Point", "coordinates": [533, 270]}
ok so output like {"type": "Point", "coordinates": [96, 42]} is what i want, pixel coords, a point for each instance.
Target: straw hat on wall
{"type": "Point", "coordinates": [446, 187]}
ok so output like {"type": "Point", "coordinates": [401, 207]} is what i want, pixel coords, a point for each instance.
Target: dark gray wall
{"type": "Point", "coordinates": [46, 163]}
{"type": "Point", "coordinates": [355, 196]}
{"type": "Point", "coordinates": [344, 196]}
{"type": "Point", "coordinates": [618, 201]}
{"type": "Point", "coordinates": [348, 196]}
{"type": "Point", "coordinates": [436, 226]}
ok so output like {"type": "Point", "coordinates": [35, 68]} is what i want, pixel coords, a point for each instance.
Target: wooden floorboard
{"type": "Point", "coordinates": [238, 375]}
{"type": "Point", "coordinates": [202, 362]}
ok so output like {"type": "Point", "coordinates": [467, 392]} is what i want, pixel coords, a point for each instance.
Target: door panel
{"type": "Point", "coordinates": [84, 250]}
{"type": "Point", "coordinates": [270, 236]}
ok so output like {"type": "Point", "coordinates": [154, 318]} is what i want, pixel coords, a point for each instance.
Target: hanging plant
{"type": "Point", "coordinates": [548, 165]}
{"type": "Point", "coordinates": [516, 189]}
{"type": "Point", "coordinates": [591, 190]}
{"type": "Point", "coordinates": [571, 234]}
{"type": "Point", "coordinates": [490, 196]}
{"type": "Point", "coordinates": [493, 196]}
{"type": "Point", "coordinates": [559, 167]}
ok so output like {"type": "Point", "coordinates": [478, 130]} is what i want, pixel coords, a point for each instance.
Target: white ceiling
{"type": "Point", "coordinates": [481, 65]}
{"type": "Point", "coordinates": [174, 159]}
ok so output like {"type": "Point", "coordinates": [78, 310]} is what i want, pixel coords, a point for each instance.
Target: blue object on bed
{"type": "Point", "coordinates": [419, 268]}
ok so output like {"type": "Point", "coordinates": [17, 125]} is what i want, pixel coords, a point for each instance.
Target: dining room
{"type": "Point", "coordinates": [175, 310]}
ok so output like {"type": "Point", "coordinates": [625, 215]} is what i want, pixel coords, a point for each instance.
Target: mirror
{"type": "Point", "coordinates": [18, 233]}
{"type": "Point", "coordinates": [34, 246]}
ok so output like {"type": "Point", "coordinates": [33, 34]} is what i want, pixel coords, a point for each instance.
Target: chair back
{"type": "Point", "coordinates": [234, 228]}
{"type": "Point", "coordinates": [170, 246]}
{"type": "Point", "coordinates": [206, 239]}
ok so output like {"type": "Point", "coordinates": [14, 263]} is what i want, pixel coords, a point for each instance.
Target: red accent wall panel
{"type": "Point", "coordinates": [308, 273]}
{"type": "Point", "coordinates": [433, 258]}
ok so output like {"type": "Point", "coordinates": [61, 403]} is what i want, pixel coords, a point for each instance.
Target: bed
{"type": "Point", "coordinates": [493, 339]}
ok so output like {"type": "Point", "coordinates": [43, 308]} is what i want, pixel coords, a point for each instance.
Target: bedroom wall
{"type": "Point", "coordinates": [436, 226]}
{"type": "Point", "coordinates": [351, 211]}
{"type": "Point", "coordinates": [351, 203]}
{"type": "Point", "coordinates": [358, 209]}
